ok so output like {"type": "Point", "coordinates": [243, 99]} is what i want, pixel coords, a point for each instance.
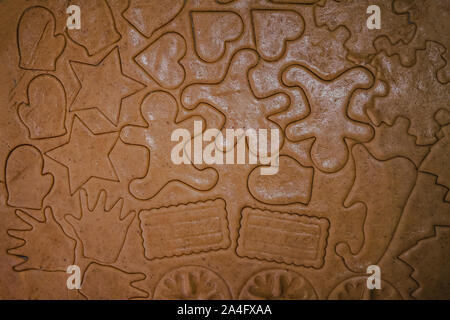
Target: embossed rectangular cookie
{"type": "Point", "coordinates": [283, 237]}
{"type": "Point", "coordinates": [184, 229]}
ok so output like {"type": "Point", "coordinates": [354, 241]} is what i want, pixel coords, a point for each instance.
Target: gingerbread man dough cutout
{"type": "Point", "coordinates": [159, 109]}
{"type": "Point", "coordinates": [328, 120]}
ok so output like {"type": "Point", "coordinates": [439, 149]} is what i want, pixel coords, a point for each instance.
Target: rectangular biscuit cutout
{"type": "Point", "coordinates": [283, 237]}
{"type": "Point", "coordinates": [184, 229]}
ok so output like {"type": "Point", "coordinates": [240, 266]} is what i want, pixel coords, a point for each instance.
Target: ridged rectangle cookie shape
{"type": "Point", "coordinates": [283, 237]}
{"type": "Point", "coordinates": [184, 229]}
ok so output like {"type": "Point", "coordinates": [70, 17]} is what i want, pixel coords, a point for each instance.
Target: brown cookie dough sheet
{"type": "Point", "coordinates": [87, 177]}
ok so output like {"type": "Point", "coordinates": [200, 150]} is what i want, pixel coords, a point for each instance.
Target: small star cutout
{"type": "Point", "coordinates": [86, 155]}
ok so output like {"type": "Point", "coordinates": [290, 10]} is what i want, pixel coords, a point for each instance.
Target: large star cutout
{"type": "Point", "coordinates": [103, 86]}
{"type": "Point", "coordinates": [86, 155]}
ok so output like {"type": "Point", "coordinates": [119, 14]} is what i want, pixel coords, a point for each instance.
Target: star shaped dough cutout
{"type": "Point", "coordinates": [86, 155]}
{"type": "Point", "coordinates": [107, 83]}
